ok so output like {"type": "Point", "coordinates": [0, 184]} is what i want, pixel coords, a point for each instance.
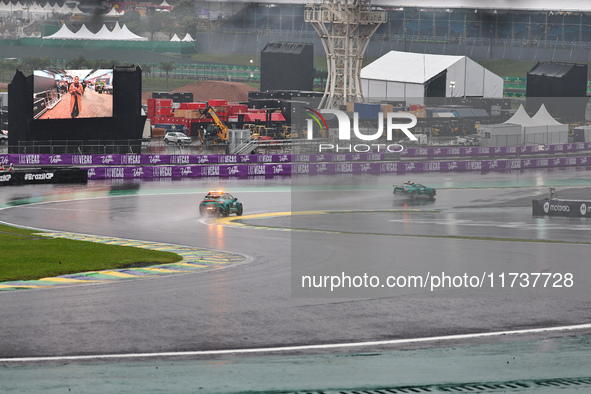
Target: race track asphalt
{"type": "Point", "coordinates": [480, 224]}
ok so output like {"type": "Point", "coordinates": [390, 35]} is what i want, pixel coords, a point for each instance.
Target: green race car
{"type": "Point", "coordinates": [413, 190]}
{"type": "Point", "coordinates": [216, 202]}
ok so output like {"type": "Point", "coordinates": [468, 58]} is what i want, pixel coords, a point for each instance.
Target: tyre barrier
{"type": "Point", "coordinates": [567, 208]}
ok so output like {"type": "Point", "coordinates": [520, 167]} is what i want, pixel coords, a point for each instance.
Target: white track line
{"type": "Point", "coordinates": [299, 348]}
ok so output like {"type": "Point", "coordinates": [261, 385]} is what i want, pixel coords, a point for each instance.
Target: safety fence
{"type": "Point", "coordinates": [423, 160]}
{"type": "Point", "coordinates": [419, 153]}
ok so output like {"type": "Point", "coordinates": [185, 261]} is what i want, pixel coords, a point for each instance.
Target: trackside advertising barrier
{"type": "Point", "coordinates": [179, 166]}
{"type": "Point", "coordinates": [35, 176]}
{"type": "Point", "coordinates": [555, 207]}
{"type": "Point", "coordinates": [243, 170]}
{"type": "Point", "coordinates": [408, 153]}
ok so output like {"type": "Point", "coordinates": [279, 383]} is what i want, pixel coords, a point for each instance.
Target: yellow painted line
{"type": "Point", "coordinates": [162, 270]}
{"type": "Point", "coordinates": [118, 274]}
{"type": "Point", "coordinates": [27, 286]}
{"type": "Point", "coordinates": [231, 220]}
{"type": "Point", "coordinates": [66, 280]}
{"type": "Point", "coordinates": [192, 265]}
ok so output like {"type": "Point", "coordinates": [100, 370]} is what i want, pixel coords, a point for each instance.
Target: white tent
{"type": "Point", "coordinates": [113, 12]}
{"type": "Point", "coordinates": [76, 11]}
{"type": "Point", "coordinates": [521, 129]}
{"type": "Point", "coordinates": [544, 117]}
{"type": "Point", "coordinates": [521, 118]}
{"type": "Point", "coordinates": [118, 33]}
{"type": "Point", "coordinates": [105, 34]}
{"type": "Point", "coordinates": [125, 34]}
{"type": "Point", "coordinates": [188, 38]}
{"type": "Point", "coordinates": [175, 38]}
{"type": "Point", "coordinates": [62, 33]}
{"type": "Point", "coordinates": [405, 75]}
{"type": "Point", "coordinates": [64, 9]}
{"type": "Point", "coordinates": [116, 29]}
{"type": "Point", "coordinates": [84, 34]}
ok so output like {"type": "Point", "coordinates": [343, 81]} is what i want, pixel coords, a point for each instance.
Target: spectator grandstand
{"type": "Point", "coordinates": [517, 24]}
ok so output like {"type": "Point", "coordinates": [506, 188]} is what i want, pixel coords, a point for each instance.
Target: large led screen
{"type": "Point", "coordinates": [70, 94]}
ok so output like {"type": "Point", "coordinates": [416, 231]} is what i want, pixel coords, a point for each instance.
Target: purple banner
{"type": "Point", "coordinates": [495, 151]}
{"type": "Point", "coordinates": [213, 170]}
{"type": "Point", "coordinates": [242, 170]}
{"type": "Point", "coordinates": [156, 159]}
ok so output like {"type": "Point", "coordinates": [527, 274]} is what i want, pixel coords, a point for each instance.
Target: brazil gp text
{"type": "Point", "coordinates": [435, 281]}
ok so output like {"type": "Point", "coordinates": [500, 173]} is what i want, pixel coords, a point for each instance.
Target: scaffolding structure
{"type": "Point", "coordinates": [345, 28]}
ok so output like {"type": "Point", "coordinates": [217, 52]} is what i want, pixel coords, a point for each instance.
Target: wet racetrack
{"type": "Point", "coordinates": [477, 224]}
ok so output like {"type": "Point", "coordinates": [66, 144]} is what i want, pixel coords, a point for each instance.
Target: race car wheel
{"type": "Point", "coordinates": [166, 141]}
{"type": "Point", "coordinates": [413, 194]}
{"type": "Point", "coordinates": [432, 194]}
{"type": "Point", "coordinates": [202, 212]}
{"type": "Point", "coordinates": [240, 210]}
{"type": "Point", "coordinates": [227, 211]}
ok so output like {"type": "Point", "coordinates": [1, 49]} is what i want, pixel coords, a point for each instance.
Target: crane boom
{"type": "Point", "coordinates": [223, 129]}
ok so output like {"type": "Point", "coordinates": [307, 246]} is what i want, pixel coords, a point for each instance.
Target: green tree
{"type": "Point", "coordinates": [9, 65]}
{"type": "Point", "coordinates": [132, 19]}
{"type": "Point", "coordinates": [146, 69]}
{"type": "Point", "coordinates": [169, 24]}
{"type": "Point", "coordinates": [99, 63]}
{"type": "Point", "coordinates": [155, 22]}
{"type": "Point", "coordinates": [167, 67]}
{"type": "Point", "coordinates": [78, 63]}
{"type": "Point", "coordinates": [185, 8]}
{"type": "Point", "coordinates": [36, 63]}
{"type": "Point", "coordinates": [189, 25]}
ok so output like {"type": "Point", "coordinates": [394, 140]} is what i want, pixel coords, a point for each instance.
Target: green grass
{"type": "Point", "coordinates": [515, 68]}
{"type": "Point", "coordinates": [508, 68]}
{"type": "Point", "coordinates": [228, 58]}
{"type": "Point", "coordinates": [27, 256]}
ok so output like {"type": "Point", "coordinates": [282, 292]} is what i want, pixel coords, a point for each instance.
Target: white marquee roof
{"type": "Point", "coordinates": [541, 118]}
{"type": "Point", "coordinates": [84, 34]}
{"type": "Point", "coordinates": [113, 12]}
{"type": "Point", "coordinates": [37, 9]}
{"type": "Point", "coordinates": [117, 28]}
{"type": "Point", "coordinates": [62, 33]}
{"type": "Point", "coordinates": [408, 67]}
{"type": "Point", "coordinates": [520, 117]}
{"type": "Point", "coordinates": [544, 117]}
{"type": "Point", "coordinates": [118, 33]}
{"type": "Point", "coordinates": [405, 75]}
{"type": "Point", "coordinates": [125, 34]}
{"type": "Point", "coordinates": [105, 34]}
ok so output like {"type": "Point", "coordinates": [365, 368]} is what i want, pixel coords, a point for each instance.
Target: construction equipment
{"type": "Point", "coordinates": [214, 133]}
{"type": "Point", "coordinates": [260, 132]}
{"type": "Point", "coordinates": [287, 132]}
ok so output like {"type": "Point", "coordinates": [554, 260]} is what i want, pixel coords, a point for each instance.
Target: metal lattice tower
{"type": "Point", "coordinates": [345, 27]}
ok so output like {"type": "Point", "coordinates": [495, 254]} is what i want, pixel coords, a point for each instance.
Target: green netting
{"type": "Point", "coordinates": [179, 47]}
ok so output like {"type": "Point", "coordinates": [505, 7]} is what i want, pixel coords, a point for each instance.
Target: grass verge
{"type": "Point", "coordinates": [27, 256]}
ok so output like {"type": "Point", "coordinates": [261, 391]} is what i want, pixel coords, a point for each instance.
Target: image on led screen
{"type": "Point", "coordinates": [71, 94]}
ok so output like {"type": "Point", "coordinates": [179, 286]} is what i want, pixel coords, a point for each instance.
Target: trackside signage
{"type": "Point", "coordinates": [393, 122]}
{"type": "Point", "coordinates": [567, 208]}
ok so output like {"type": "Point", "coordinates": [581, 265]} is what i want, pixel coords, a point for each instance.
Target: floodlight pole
{"type": "Point", "coordinates": [345, 28]}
